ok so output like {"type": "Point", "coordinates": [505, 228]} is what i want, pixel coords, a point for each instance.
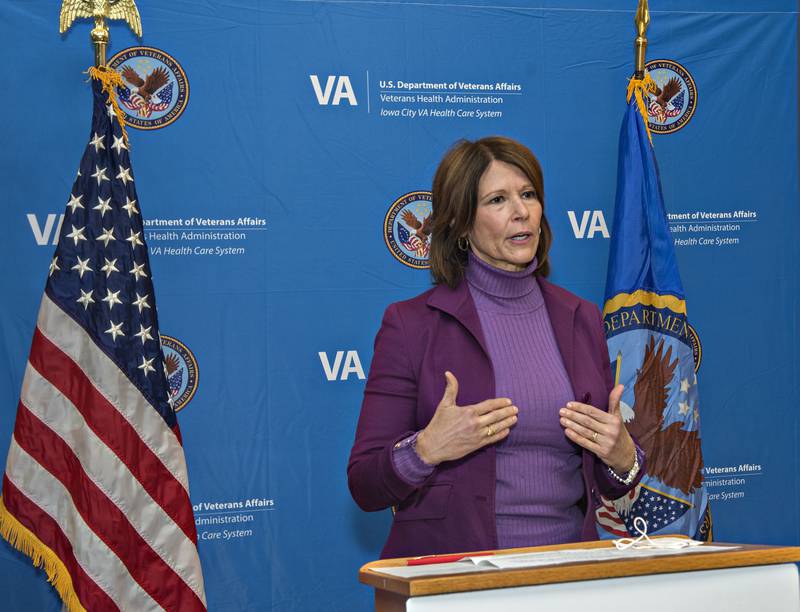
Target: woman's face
{"type": "Point", "coordinates": [506, 229]}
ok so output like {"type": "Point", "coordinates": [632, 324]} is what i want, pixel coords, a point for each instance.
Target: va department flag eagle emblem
{"type": "Point", "coordinates": [655, 350]}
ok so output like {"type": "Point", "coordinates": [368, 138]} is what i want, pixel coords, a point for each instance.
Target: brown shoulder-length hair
{"type": "Point", "coordinates": [455, 199]}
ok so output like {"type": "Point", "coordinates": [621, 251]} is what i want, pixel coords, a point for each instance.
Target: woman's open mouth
{"type": "Point", "coordinates": [521, 238]}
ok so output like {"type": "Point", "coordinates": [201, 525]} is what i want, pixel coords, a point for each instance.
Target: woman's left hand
{"type": "Point", "coordinates": [602, 433]}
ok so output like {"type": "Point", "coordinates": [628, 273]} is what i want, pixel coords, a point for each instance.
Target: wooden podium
{"type": "Point", "coordinates": [746, 578]}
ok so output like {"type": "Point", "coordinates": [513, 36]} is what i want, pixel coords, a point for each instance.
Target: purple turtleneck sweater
{"type": "Point", "coordinates": [539, 482]}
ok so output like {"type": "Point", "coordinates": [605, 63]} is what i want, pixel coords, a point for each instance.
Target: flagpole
{"type": "Point", "coordinates": [99, 36]}
{"type": "Point", "coordinates": [641, 83]}
{"type": "Point", "coordinates": [642, 20]}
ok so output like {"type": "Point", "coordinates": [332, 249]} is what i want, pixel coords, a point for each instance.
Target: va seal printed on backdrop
{"type": "Point", "coordinates": [406, 229]}
{"type": "Point", "coordinates": [181, 369]}
{"type": "Point", "coordinates": [156, 89]}
{"type": "Point", "coordinates": [672, 104]}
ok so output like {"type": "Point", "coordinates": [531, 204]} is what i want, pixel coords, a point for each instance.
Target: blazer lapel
{"type": "Point", "coordinates": [459, 304]}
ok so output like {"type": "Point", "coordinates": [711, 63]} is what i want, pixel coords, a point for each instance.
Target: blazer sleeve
{"type": "Point", "coordinates": [607, 485]}
{"type": "Point", "coordinates": [388, 415]}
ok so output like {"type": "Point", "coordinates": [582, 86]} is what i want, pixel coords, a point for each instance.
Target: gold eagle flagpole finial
{"type": "Point", "coordinates": [642, 20]}
{"type": "Point", "coordinates": [641, 83]}
{"type": "Point", "coordinates": [100, 10]}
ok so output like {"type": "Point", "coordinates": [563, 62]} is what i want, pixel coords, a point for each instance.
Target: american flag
{"type": "Point", "coordinates": [95, 488]}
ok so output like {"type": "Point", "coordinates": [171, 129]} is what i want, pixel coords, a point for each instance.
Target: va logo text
{"type": "Point", "coordinates": [339, 370]}
{"type": "Point", "coordinates": [47, 232]}
{"type": "Point", "coordinates": [335, 90]}
{"type": "Point", "coordinates": [591, 223]}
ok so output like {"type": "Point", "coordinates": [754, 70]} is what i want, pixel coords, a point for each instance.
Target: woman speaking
{"type": "Point", "coordinates": [489, 419]}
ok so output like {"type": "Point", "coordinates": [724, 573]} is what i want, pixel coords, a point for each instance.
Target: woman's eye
{"type": "Point", "coordinates": [496, 199]}
{"type": "Point", "coordinates": [530, 195]}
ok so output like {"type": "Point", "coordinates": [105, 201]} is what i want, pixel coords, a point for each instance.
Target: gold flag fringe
{"type": "Point", "coordinates": [24, 540]}
{"type": "Point", "coordinates": [639, 87]}
{"type": "Point", "coordinates": [111, 79]}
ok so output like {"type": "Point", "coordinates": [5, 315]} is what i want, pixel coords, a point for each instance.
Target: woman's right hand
{"type": "Point", "coordinates": [456, 431]}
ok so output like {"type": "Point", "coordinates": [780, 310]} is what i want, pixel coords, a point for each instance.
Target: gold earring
{"type": "Point", "coordinates": [462, 243]}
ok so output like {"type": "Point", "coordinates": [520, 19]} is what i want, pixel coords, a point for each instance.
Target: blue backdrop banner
{"type": "Point", "coordinates": [284, 153]}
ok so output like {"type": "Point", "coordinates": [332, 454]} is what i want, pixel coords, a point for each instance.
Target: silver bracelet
{"type": "Point", "coordinates": [631, 474]}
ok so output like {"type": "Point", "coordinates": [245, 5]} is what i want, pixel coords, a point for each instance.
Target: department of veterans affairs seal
{"type": "Point", "coordinates": [406, 229]}
{"type": "Point", "coordinates": [672, 104]}
{"type": "Point", "coordinates": [156, 90]}
{"type": "Point", "coordinates": [181, 369]}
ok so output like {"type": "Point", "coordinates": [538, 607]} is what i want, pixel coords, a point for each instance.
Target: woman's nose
{"type": "Point", "coordinates": [521, 210]}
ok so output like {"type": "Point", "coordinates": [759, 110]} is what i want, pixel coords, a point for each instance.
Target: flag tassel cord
{"type": "Point", "coordinates": [639, 88]}
{"type": "Point", "coordinates": [109, 80]}
{"type": "Point", "coordinates": [21, 538]}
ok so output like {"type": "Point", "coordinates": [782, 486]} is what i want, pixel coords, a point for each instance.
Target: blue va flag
{"type": "Point", "coordinates": [653, 346]}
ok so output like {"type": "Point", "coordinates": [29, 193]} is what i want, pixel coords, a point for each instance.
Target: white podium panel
{"type": "Point", "coordinates": [727, 577]}
{"type": "Point", "coordinates": [762, 588]}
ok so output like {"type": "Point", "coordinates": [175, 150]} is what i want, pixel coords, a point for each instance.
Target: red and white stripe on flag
{"type": "Point", "coordinates": [95, 488]}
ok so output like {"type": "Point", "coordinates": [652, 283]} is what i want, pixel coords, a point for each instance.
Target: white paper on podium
{"type": "Point", "coordinates": [539, 559]}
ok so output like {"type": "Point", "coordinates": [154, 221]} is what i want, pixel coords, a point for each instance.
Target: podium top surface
{"type": "Point", "coordinates": [742, 556]}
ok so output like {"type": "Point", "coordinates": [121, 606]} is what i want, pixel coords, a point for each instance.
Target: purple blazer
{"type": "Point", "coordinates": [454, 509]}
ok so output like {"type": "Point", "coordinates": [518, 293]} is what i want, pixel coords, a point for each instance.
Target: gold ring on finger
{"type": "Point", "coordinates": [594, 437]}
{"type": "Point", "coordinates": [489, 431]}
